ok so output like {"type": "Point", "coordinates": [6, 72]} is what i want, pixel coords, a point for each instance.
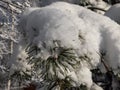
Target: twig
{"type": "Point", "coordinates": [11, 46]}
{"type": "Point", "coordinates": [92, 8]}
{"type": "Point", "coordinates": [9, 83]}
{"type": "Point", "coordinates": [107, 67]}
{"type": "Point", "coordinates": [11, 4]}
{"type": "Point", "coordinates": [8, 9]}
{"type": "Point", "coordinates": [12, 30]}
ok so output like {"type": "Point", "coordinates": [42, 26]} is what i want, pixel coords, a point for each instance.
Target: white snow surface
{"type": "Point", "coordinates": [75, 27]}
{"type": "Point", "coordinates": [114, 13]}
{"type": "Point", "coordinates": [47, 2]}
{"type": "Point", "coordinates": [84, 76]}
{"type": "Point", "coordinates": [95, 87]}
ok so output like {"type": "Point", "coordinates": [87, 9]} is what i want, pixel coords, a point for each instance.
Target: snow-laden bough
{"type": "Point", "coordinates": [86, 32]}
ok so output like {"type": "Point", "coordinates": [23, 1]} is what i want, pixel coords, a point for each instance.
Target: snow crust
{"type": "Point", "coordinates": [75, 27]}
{"type": "Point", "coordinates": [114, 13]}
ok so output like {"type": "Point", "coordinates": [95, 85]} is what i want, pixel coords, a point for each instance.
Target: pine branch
{"type": "Point", "coordinates": [55, 68]}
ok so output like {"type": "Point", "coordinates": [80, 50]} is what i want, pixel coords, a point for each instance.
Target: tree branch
{"type": "Point", "coordinates": [92, 8]}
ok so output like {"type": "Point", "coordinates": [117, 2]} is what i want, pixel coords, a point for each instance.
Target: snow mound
{"type": "Point", "coordinates": [75, 27]}
{"type": "Point", "coordinates": [114, 13]}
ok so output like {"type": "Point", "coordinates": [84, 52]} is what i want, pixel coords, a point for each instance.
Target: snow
{"type": "Point", "coordinates": [99, 3]}
{"type": "Point", "coordinates": [84, 76]}
{"type": "Point", "coordinates": [47, 2]}
{"type": "Point", "coordinates": [74, 79]}
{"type": "Point", "coordinates": [109, 31]}
{"type": "Point", "coordinates": [49, 28]}
{"type": "Point", "coordinates": [95, 87]}
{"type": "Point", "coordinates": [75, 27]}
{"type": "Point", "coordinates": [114, 13]}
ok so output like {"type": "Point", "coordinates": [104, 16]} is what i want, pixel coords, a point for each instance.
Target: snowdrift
{"type": "Point", "coordinates": [75, 27]}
